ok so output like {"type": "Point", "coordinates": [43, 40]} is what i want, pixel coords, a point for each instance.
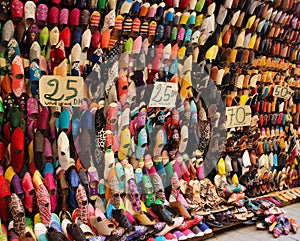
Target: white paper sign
{"type": "Point", "coordinates": [282, 91]}
{"type": "Point", "coordinates": [61, 91]}
{"type": "Point", "coordinates": [238, 116]}
{"type": "Point", "coordinates": [164, 95]}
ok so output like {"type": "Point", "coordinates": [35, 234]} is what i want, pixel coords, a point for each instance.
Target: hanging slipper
{"type": "Point", "coordinates": [93, 182]}
{"type": "Point", "coordinates": [4, 201]}
{"type": "Point", "coordinates": [63, 190]}
{"type": "Point", "coordinates": [148, 187]}
{"type": "Point", "coordinates": [11, 52]}
{"type": "Point", "coordinates": [18, 213]}
{"type": "Point", "coordinates": [18, 82]}
{"type": "Point", "coordinates": [44, 204]}
{"type": "Point", "coordinates": [28, 191]}
{"type": "Point", "coordinates": [63, 150]}
{"type": "Point", "coordinates": [41, 14]}
{"type": "Point", "coordinates": [39, 156]}
{"type": "Point", "coordinates": [49, 182]}
{"type": "Point", "coordinates": [34, 75]}
{"type": "Point", "coordinates": [82, 204]}
{"type": "Point", "coordinates": [17, 149]}
{"type": "Point", "coordinates": [73, 184]}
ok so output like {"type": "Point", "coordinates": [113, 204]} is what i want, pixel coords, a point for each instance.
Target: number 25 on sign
{"type": "Point", "coordinates": [164, 95]}
{"type": "Point", "coordinates": [238, 116]}
{"type": "Point", "coordinates": [61, 91]}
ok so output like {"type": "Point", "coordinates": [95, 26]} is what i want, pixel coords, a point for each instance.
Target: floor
{"type": "Point", "coordinates": [245, 233]}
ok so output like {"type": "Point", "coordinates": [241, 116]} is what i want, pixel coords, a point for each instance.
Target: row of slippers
{"type": "Point", "coordinates": [34, 29]}
{"type": "Point", "coordinates": [145, 10]}
{"type": "Point", "coordinates": [269, 181]}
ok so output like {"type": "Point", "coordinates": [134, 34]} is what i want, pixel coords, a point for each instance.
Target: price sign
{"type": "Point", "coordinates": [282, 92]}
{"type": "Point", "coordinates": [164, 94]}
{"type": "Point", "coordinates": [238, 116]}
{"type": "Point", "coordinates": [61, 91]}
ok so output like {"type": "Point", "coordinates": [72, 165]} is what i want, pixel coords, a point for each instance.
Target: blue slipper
{"type": "Point", "coordinates": [76, 38]}
{"type": "Point", "coordinates": [142, 142]}
{"type": "Point", "coordinates": [86, 120]}
{"type": "Point", "coordinates": [35, 74]}
{"type": "Point", "coordinates": [73, 181]}
{"type": "Point", "coordinates": [65, 119]}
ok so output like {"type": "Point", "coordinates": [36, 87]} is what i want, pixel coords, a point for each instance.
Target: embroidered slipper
{"type": "Point", "coordinates": [18, 81]}
{"type": "Point", "coordinates": [11, 52]}
{"type": "Point", "coordinates": [18, 213]}
{"type": "Point", "coordinates": [44, 204]}
{"type": "Point", "coordinates": [82, 204]}
{"type": "Point", "coordinates": [17, 10]}
{"type": "Point", "coordinates": [41, 13]}
{"type": "Point", "coordinates": [93, 182]}
{"type": "Point", "coordinates": [7, 32]}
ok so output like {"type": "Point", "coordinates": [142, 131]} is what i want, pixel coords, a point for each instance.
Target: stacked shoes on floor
{"type": "Point", "coordinates": [116, 167]}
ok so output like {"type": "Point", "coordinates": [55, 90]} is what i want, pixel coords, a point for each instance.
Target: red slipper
{"type": "Point", "coordinates": [18, 80]}
{"type": "Point", "coordinates": [4, 199]}
{"type": "Point", "coordinates": [65, 36]}
{"type": "Point", "coordinates": [17, 149]}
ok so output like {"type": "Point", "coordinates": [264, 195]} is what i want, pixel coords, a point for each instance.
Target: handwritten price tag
{"type": "Point", "coordinates": [282, 92]}
{"type": "Point", "coordinates": [164, 95]}
{"type": "Point", "coordinates": [238, 116]}
{"type": "Point", "coordinates": [61, 91]}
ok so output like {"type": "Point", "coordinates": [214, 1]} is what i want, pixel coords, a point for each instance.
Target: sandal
{"type": "Point", "coordinates": [221, 218]}
{"type": "Point", "coordinates": [212, 222]}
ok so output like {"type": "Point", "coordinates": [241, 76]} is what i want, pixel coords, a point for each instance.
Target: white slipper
{"type": "Point", "coordinates": [129, 173]}
{"type": "Point", "coordinates": [109, 159]}
{"type": "Point", "coordinates": [54, 37]}
{"type": "Point", "coordinates": [177, 222]}
{"type": "Point", "coordinates": [86, 40]}
{"type": "Point", "coordinates": [63, 147]}
{"type": "Point", "coordinates": [75, 54]}
{"type": "Point", "coordinates": [184, 136]}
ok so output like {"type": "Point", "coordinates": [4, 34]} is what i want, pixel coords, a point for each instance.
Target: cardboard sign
{"type": "Point", "coordinates": [61, 91]}
{"type": "Point", "coordinates": [282, 92]}
{"type": "Point", "coordinates": [164, 95]}
{"type": "Point", "coordinates": [238, 116]}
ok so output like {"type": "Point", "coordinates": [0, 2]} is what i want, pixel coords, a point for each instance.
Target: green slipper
{"type": "Point", "coordinates": [101, 4]}
{"type": "Point", "coordinates": [174, 33]}
{"type": "Point", "coordinates": [199, 5]}
{"type": "Point", "coordinates": [128, 46]}
{"type": "Point", "coordinates": [148, 187]}
{"type": "Point", "coordinates": [14, 118]}
{"type": "Point", "coordinates": [43, 40]}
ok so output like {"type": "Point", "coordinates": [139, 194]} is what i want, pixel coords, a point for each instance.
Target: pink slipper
{"type": "Point", "coordinates": [42, 13]}
{"type": "Point", "coordinates": [64, 16]}
{"type": "Point", "coordinates": [50, 184]}
{"type": "Point", "coordinates": [53, 16]}
{"type": "Point", "coordinates": [74, 17]}
{"type": "Point", "coordinates": [44, 204]}
{"type": "Point", "coordinates": [29, 192]}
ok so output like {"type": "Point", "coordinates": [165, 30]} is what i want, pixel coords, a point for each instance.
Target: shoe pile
{"type": "Point", "coordinates": [274, 219]}
{"type": "Point", "coordinates": [119, 168]}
